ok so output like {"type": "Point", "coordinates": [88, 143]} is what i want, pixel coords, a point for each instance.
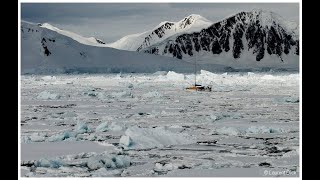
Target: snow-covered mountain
{"type": "Point", "coordinates": [137, 42]}
{"type": "Point", "coordinates": [92, 41]}
{"type": "Point", "coordinates": [240, 39]}
{"type": "Point", "coordinates": [44, 50]}
{"type": "Point", "coordinates": [245, 41]}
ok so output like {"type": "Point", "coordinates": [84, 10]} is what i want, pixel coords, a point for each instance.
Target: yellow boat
{"type": "Point", "coordinates": [199, 88]}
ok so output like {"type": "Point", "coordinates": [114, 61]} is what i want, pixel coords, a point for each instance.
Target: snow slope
{"type": "Point", "coordinates": [92, 41]}
{"type": "Point", "coordinates": [46, 51]}
{"type": "Point", "coordinates": [137, 42]}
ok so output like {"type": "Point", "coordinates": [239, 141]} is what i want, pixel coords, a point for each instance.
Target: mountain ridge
{"type": "Point", "coordinates": [259, 31]}
{"type": "Point", "coordinates": [165, 29]}
{"type": "Point", "coordinates": [246, 40]}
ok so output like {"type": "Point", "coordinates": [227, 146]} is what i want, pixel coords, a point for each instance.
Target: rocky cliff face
{"type": "Point", "coordinates": [257, 32]}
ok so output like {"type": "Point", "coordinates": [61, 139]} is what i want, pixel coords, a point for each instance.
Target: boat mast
{"type": "Point", "coordinates": [195, 72]}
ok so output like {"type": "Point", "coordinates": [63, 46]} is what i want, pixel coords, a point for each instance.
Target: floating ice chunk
{"type": "Point", "coordinates": [220, 116]}
{"type": "Point", "coordinates": [263, 129]}
{"type": "Point", "coordinates": [165, 167]}
{"type": "Point", "coordinates": [227, 131]}
{"type": "Point", "coordinates": [25, 139]}
{"type": "Point", "coordinates": [222, 88]}
{"type": "Point", "coordinates": [103, 172]}
{"type": "Point", "coordinates": [171, 75]}
{"type": "Point", "coordinates": [154, 137]}
{"type": "Point", "coordinates": [251, 130]}
{"type": "Point", "coordinates": [125, 141]}
{"type": "Point", "coordinates": [207, 73]}
{"type": "Point", "coordinates": [251, 74]}
{"type": "Point", "coordinates": [271, 77]}
{"type": "Point", "coordinates": [49, 78]}
{"type": "Point", "coordinates": [44, 162]}
{"type": "Point", "coordinates": [213, 118]}
{"type": "Point", "coordinates": [82, 127]}
{"type": "Point", "coordinates": [162, 73]}
{"type": "Point", "coordinates": [175, 126]}
{"type": "Point", "coordinates": [91, 137]}
{"type": "Point", "coordinates": [91, 93]}
{"type": "Point", "coordinates": [122, 94]}
{"type": "Point", "coordinates": [121, 161]}
{"type": "Point", "coordinates": [287, 100]}
{"type": "Point", "coordinates": [37, 137]}
{"type": "Point", "coordinates": [119, 76]}
{"type": "Point", "coordinates": [292, 99]}
{"type": "Point", "coordinates": [59, 137]}
{"type": "Point", "coordinates": [71, 139]}
{"type": "Point", "coordinates": [116, 127]}
{"type": "Point", "coordinates": [70, 114]}
{"type": "Point", "coordinates": [48, 95]}
{"type": "Point", "coordinates": [102, 127]}
{"type": "Point", "coordinates": [94, 92]}
{"type": "Point", "coordinates": [130, 86]}
{"type": "Point", "coordinates": [94, 163]}
{"type": "Point", "coordinates": [152, 94]}
{"type": "Point", "coordinates": [108, 161]}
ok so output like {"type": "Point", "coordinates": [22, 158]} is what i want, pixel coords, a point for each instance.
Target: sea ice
{"type": "Point", "coordinates": [46, 95]}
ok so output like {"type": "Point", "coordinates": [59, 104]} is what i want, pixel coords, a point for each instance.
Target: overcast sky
{"type": "Point", "coordinates": [111, 21]}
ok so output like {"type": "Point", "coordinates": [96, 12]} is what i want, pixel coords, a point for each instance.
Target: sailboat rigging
{"type": "Point", "coordinates": [198, 87]}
